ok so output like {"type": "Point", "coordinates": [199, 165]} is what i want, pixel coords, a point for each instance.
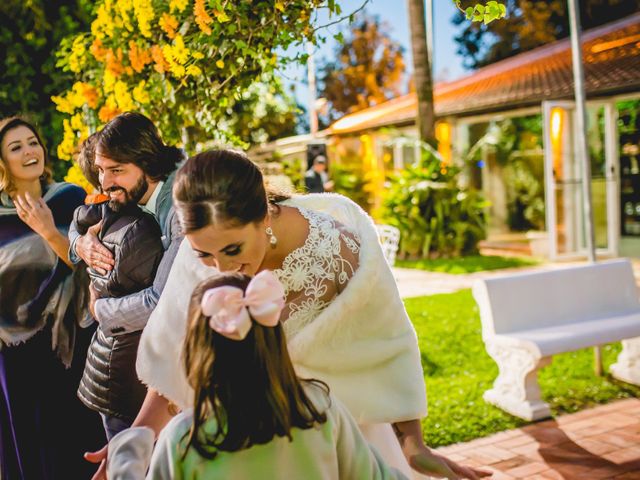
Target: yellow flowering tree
{"type": "Point", "coordinates": [184, 63]}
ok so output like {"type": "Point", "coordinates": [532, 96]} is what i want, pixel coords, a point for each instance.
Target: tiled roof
{"type": "Point", "coordinates": [611, 65]}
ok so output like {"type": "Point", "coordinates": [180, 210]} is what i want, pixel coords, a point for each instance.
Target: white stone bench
{"type": "Point", "coordinates": [389, 239]}
{"type": "Point", "coordinates": [529, 317]}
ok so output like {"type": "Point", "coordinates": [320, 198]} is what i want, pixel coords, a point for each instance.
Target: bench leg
{"type": "Point", "coordinates": [627, 368]}
{"type": "Point", "coordinates": [516, 389]}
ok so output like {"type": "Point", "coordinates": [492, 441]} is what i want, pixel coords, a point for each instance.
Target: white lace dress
{"type": "Point", "coordinates": [315, 273]}
{"type": "Point", "coordinates": [345, 322]}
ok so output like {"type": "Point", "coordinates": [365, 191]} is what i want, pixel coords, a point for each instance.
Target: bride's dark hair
{"type": "Point", "coordinates": [221, 187]}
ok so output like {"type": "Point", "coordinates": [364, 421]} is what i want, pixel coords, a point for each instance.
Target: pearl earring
{"type": "Point", "coordinates": [273, 240]}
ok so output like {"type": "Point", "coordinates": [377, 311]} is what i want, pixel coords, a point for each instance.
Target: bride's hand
{"type": "Point", "coordinates": [427, 462]}
{"type": "Point", "coordinates": [36, 214]}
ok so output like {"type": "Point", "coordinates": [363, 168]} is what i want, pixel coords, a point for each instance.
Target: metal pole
{"type": "Point", "coordinates": [581, 119]}
{"type": "Point", "coordinates": [311, 76]}
{"type": "Point", "coordinates": [582, 148]}
{"type": "Point", "coordinates": [428, 8]}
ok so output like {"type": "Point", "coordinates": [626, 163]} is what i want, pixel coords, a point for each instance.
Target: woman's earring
{"type": "Point", "coordinates": [273, 240]}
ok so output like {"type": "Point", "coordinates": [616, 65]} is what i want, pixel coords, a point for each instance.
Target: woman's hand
{"type": "Point", "coordinates": [427, 462]}
{"type": "Point", "coordinates": [35, 213]}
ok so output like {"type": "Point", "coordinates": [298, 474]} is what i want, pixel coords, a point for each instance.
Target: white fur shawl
{"type": "Point", "coordinates": [363, 344]}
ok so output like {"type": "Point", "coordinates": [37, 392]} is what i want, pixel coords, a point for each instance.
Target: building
{"type": "Point", "coordinates": [512, 124]}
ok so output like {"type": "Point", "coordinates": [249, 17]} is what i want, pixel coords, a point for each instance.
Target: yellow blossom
{"type": "Point", "coordinates": [279, 6]}
{"type": "Point", "coordinates": [75, 175]}
{"type": "Point", "coordinates": [169, 24]}
{"type": "Point", "coordinates": [63, 104]}
{"type": "Point", "coordinates": [76, 122]}
{"type": "Point", "coordinates": [197, 55]}
{"type": "Point", "coordinates": [193, 71]}
{"type": "Point", "coordinates": [179, 5]}
{"type": "Point", "coordinates": [123, 8]}
{"type": "Point", "coordinates": [103, 25]}
{"type": "Point", "coordinates": [178, 71]}
{"type": "Point", "coordinates": [108, 81]}
{"type": "Point", "coordinates": [77, 57]}
{"type": "Point", "coordinates": [123, 97]}
{"type": "Point", "coordinates": [179, 51]}
{"type": "Point", "coordinates": [144, 14]}
{"type": "Point", "coordinates": [202, 17]}
{"type": "Point", "coordinates": [68, 144]}
{"type": "Point", "coordinates": [220, 64]}
{"type": "Point", "coordinates": [140, 95]}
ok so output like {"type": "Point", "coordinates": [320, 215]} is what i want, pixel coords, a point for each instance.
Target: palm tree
{"type": "Point", "coordinates": [422, 71]}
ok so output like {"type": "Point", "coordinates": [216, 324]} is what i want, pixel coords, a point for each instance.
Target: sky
{"type": "Point", "coordinates": [447, 65]}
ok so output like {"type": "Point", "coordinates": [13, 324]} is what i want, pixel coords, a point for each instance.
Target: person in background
{"type": "Point", "coordinates": [45, 328]}
{"type": "Point", "coordinates": [316, 179]}
{"type": "Point", "coordinates": [252, 417]}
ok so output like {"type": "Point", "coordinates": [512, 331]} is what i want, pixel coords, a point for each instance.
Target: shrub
{"type": "Point", "coordinates": [435, 216]}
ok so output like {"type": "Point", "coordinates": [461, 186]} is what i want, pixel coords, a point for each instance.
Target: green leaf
{"type": "Point", "coordinates": [469, 13]}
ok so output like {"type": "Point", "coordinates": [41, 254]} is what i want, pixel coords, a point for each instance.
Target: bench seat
{"type": "Point", "coordinates": [568, 338]}
{"type": "Point", "coordinates": [529, 317]}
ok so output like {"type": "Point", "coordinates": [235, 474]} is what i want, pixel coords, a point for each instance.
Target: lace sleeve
{"type": "Point", "coordinates": [315, 273]}
{"type": "Point", "coordinates": [348, 259]}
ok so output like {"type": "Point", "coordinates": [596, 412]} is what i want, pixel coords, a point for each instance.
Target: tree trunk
{"type": "Point", "coordinates": [422, 71]}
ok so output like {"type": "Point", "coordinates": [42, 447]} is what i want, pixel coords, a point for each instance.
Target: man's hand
{"type": "Point", "coordinates": [100, 457]}
{"type": "Point", "coordinates": [94, 253]}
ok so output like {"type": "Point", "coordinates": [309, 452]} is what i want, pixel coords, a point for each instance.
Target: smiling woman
{"type": "Point", "coordinates": [41, 304]}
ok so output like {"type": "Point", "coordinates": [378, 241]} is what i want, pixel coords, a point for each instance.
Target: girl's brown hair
{"type": "Point", "coordinates": [221, 186]}
{"type": "Point", "coordinates": [249, 386]}
{"type": "Point", "coordinates": [7, 124]}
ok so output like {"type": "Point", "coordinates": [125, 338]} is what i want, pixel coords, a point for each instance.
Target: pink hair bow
{"type": "Point", "coordinates": [231, 309]}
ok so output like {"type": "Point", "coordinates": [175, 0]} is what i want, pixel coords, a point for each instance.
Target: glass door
{"type": "Point", "coordinates": [563, 178]}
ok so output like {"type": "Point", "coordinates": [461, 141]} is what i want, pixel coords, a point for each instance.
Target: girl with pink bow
{"type": "Point", "coordinates": [252, 417]}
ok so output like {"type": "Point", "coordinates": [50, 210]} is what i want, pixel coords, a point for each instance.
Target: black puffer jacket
{"type": "Point", "coordinates": [134, 237]}
{"type": "Point", "coordinates": [110, 384]}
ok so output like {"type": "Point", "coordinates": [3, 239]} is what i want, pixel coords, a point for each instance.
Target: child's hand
{"type": "Point", "coordinates": [93, 296]}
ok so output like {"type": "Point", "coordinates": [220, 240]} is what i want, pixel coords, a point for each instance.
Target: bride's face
{"type": "Point", "coordinates": [231, 249]}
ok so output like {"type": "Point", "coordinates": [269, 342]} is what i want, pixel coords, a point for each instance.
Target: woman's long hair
{"type": "Point", "coordinates": [7, 124]}
{"type": "Point", "coordinates": [221, 187]}
{"type": "Point", "coordinates": [249, 386]}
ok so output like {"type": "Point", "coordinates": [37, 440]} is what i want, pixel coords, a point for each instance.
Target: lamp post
{"type": "Point", "coordinates": [581, 120]}
{"type": "Point", "coordinates": [582, 148]}
{"type": "Point", "coordinates": [311, 76]}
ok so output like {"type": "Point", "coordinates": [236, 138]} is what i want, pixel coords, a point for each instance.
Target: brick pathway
{"type": "Point", "coordinates": [599, 443]}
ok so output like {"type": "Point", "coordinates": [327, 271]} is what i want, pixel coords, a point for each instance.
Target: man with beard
{"type": "Point", "coordinates": [135, 169]}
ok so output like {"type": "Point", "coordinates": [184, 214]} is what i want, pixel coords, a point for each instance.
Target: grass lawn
{"type": "Point", "coordinates": [458, 371]}
{"type": "Point", "coordinates": [470, 264]}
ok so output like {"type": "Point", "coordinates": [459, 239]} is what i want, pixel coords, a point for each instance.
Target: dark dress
{"type": "Point", "coordinates": [45, 427]}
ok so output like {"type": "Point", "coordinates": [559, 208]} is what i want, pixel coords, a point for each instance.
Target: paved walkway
{"type": "Point", "coordinates": [418, 283]}
{"type": "Point", "coordinates": [599, 443]}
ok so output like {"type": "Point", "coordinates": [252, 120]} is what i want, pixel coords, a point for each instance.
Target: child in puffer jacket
{"type": "Point", "coordinates": [109, 384]}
